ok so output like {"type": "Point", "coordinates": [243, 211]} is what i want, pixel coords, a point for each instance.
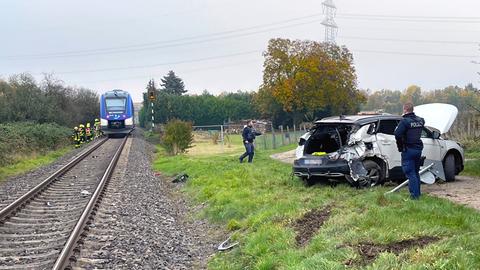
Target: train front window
{"type": "Point", "coordinates": [115, 105]}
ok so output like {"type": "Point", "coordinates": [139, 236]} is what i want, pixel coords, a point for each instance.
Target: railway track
{"type": "Point", "coordinates": [40, 229]}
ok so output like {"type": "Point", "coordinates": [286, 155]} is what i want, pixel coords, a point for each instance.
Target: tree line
{"type": "Point", "coordinates": [302, 81]}
{"type": "Point", "coordinates": [22, 98]}
{"type": "Point", "coordinates": [204, 109]}
{"type": "Point", "coordinates": [466, 99]}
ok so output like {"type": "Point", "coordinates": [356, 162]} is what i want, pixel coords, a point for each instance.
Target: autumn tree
{"type": "Point", "coordinates": [412, 94]}
{"type": "Point", "coordinates": [307, 78]}
{"type": "Point", "coordinates": [384, 100]}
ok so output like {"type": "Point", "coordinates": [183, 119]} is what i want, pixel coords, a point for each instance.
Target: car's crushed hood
{"type": "Point", "coordinates": [437, 115]}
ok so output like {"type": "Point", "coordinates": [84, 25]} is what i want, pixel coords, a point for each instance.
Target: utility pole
{"type": "Point", "coordinates": [331, 28]}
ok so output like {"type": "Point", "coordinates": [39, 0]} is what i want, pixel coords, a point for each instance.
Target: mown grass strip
{"type": "Point", "coordinates": [259, 202]}
{"type": "Point", "coordinates": [29, 163]}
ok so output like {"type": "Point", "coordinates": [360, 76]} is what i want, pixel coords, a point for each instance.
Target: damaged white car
{"type": "Point", "coordinates": [362, 148]}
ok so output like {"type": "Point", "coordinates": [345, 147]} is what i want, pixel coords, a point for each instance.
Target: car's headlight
{"type": "Point", "coordinates": [103, 122]}
{"type": "Point", "coordinates": [129, 121]}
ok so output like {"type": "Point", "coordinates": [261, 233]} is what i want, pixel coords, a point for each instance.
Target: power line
{"type": "Point", "coordinates": [180, 71]}
{"type": "Point", "coordinates": [159, 64]}
{"type": "Point", "coordinates": [406, 20]}
{"type": "Point", "coordinates": [253, 52]}
{"type": "Point", "coordinates": [418, 54]}
{"type": "Point", "coordinates": [409, 16]}
{"type": "Point", "coordinates": [174, 44]}
{"type": "Point", "coordinates": [141, 46]}
{"type": "Point", "coordinates": [167, 41]}
{"type": "Point", "coordinates": [410, 40]}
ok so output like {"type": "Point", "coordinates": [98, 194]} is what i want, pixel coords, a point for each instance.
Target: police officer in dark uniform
{"type": "Point", "coordinates": [248, 136]}
{"type": "Point", "coordinates": [407, 135]}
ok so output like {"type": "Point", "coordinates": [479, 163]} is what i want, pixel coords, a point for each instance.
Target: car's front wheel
{"type": "Point", "coordinates": [375, 175]}
{"type": "Point", "coordinates": [449, 167]}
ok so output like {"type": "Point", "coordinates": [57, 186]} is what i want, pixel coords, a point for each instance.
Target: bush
{"type": "Point", "coordinates": [178, 136]}
{"type": "Point", "coordinates": [24, 138]}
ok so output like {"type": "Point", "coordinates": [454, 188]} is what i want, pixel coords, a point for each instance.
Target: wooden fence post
{"type": "Point", "coordinates": [288, 135]}
{"type": "Point", "coordinates": [274, 146]}
{"type": "Point", "coordinates": [283, 135]}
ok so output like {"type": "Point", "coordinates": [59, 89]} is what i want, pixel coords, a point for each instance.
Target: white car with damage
{"type": "Point", "coordinates": [362, 148]}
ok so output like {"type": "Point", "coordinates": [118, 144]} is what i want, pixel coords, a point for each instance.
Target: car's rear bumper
{"type": "Point", "coordinates": [304, 168]}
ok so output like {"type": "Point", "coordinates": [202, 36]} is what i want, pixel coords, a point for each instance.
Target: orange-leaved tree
{"type": "Point", "coordinates": [306, 77]}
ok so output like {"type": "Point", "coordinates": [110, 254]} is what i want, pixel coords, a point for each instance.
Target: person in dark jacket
{"type": "Point", "coordinates": [409, 143]}
{"type": "Point", "coordinates": [248, 136]}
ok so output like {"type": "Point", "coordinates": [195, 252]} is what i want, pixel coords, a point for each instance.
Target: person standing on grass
{"type": "Point", "coordinates": [248, 136]}
{"type": "Point", "coordinates": [407, 135]}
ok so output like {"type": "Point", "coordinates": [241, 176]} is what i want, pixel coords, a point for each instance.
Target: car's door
{"type": "Point", "coordinates": [386, 142]}
{"type": "Point", "coordinates": [432, 148]}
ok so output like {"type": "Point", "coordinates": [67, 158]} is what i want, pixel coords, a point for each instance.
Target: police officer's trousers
{"type": "Point", "coordinates": [249, 151]}
{"type": "Point", "coordinates": [411, 160]}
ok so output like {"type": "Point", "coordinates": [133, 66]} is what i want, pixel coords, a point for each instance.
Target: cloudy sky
{"type": "Point", "coordinates": [217, 44]}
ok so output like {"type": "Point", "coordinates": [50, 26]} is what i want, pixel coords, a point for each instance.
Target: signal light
{"type": "Point", "coordinates": [151, 95]}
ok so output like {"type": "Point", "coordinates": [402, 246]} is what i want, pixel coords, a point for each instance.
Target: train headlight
{"type": "Point", "coordinates": [129, 121]}
{"type": "Point", "coordinates": [103, 122]}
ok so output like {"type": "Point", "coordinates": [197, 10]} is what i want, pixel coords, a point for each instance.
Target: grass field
{"type": "Point", "coordinates": [262, 205]}
{"type": "Point", "coordinates": [472, 165]}
{"type": "Point", "coordinates": [30, 163]}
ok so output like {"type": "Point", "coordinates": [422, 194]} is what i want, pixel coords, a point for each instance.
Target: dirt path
{"type": "Point", "coordinates": [464, 190]}
{"type": "Point", "coordinates": [286, 157]}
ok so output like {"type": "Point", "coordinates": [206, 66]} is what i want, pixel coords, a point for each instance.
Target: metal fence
{"type": "Point", "coordinates": [271, 138]}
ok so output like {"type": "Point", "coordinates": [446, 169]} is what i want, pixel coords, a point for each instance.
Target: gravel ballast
{"type": "Point", "coordinates": [15, 186]}
{"type": "Point", "coordinates": [143, 223]}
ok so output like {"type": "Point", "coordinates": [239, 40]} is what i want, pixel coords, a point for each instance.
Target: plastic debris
{"type": "Point", "coordinates": [180, 178]}
{"type": "Point", "coordinates": [85, 193]}
{"type": "Point", "coordinates": [226, 246]}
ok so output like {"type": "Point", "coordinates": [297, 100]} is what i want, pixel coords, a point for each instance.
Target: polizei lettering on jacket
{"type": "Point", "coordinates": [416, 125]}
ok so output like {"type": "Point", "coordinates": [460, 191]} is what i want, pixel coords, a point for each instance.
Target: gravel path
{"type": "Point", "coordinates": [143, 223]}
{"type": "Point", "coordinates": [464, 191]}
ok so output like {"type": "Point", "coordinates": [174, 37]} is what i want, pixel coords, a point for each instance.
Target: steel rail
{"type": "Point", "coordinates": [63, 258]}
{"type": "Point", "coordinates": [5, 212]}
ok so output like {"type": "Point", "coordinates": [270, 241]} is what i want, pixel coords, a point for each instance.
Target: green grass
{"type": "Point", "coordinates": [472, 168]}
{"type": "Point", "coordinates": [472, 165]}
{"type": "Point", "coordinates": [30, 163]}
{"type": "Point", "coordinates": [258, 203]}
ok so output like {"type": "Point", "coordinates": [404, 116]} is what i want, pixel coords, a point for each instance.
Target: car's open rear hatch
{"type": "Point", "coordinates": [328, 138]}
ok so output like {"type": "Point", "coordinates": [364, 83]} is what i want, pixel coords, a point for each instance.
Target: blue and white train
{"type": "Point", "coordinates": [116, 112]}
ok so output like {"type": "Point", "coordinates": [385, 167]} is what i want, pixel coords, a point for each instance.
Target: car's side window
{"type": "Point", "coordinates": [387, 127]}
{"type": "Point", "coordinates": [426, 133]}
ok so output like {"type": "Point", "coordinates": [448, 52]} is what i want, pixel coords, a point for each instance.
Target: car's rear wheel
{"type": "Point", "coordinates": [449, 167]}
{"type": "Point", "coordinates": [375, 174]}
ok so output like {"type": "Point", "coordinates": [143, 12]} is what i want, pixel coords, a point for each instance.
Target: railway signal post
{"type": "Point", "coordinates": [152, 97]}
